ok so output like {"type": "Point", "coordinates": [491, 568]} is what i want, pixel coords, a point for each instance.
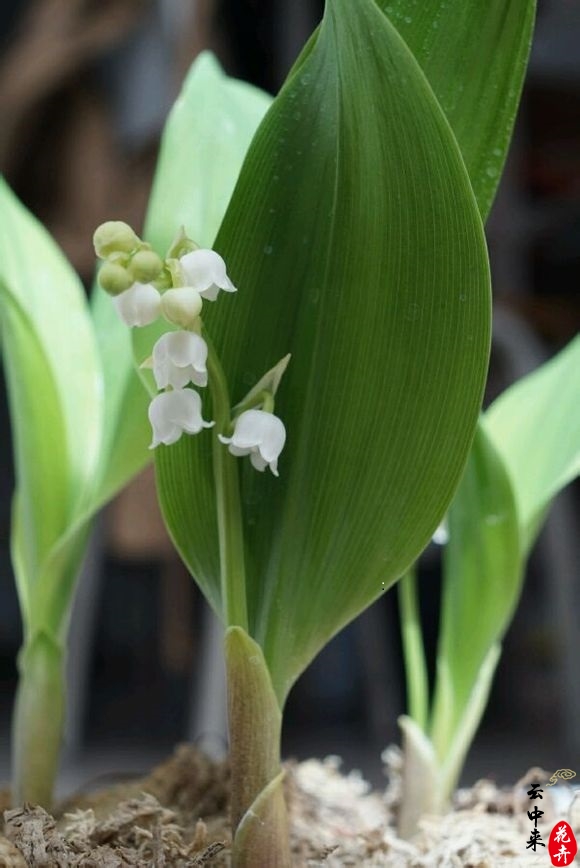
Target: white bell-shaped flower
{"type": "Point", "coordinates": [260, 435]}
{"type": "Point", "coordinates": [441, 534]}
{"type": "Point", "coordinates": [180, 358]}
{"type": "Point", "coordinates": [172, 414]}
{"type": "Point", "coordinates": [139, 305]}
{"type": "Point", "coordinates": [205, 271]}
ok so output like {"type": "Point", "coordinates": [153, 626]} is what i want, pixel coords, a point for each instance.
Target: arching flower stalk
{"type": "Point", "coordinates": [145, 289]}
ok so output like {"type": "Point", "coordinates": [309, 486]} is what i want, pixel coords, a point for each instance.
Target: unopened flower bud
{"type": "Point", "coordinates": [114, 236]}
{"type": "Point", "coordinates": [114, 278]}
{"type": "Point", "coordinates": [181, 306]}
{"type": "Point", "coordinates": [145, 266]}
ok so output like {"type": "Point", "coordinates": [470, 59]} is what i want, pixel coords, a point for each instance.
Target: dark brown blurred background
{"type": "Point", "coordinates": [84, 90]}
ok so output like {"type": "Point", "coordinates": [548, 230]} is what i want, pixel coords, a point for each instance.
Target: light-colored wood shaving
{"type": "Point", "coordinates": [336, 821]}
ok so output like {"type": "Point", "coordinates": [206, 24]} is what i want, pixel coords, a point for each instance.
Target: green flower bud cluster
{"type": "Point", "coordinates": [127, 259]}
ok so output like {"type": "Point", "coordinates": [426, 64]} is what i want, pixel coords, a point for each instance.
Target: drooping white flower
{"type": "Point", "coordinates": [139, 305]}
{"type": "Point", "coordinates": [172, 414]}
{"type": "Point", "coordinates": [180, 358]}
{"type": "Point", "coordinates": [181, 306]}
{"type": "Point", "coordinates": [260, 435]}
{"type": "Point", "coordinates": [205, 271]}
{"type": "Point", "coordinates": [441, 535]}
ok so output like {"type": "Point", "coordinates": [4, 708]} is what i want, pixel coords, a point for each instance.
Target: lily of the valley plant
{"type": "Point", "coordinates": [354, 237]}
{"type": "Point", "coordinates": [352, 231]}
{"type": "Point", "coordinates": [527, 448]}
{"type": "Point", "coordinates": [79, 430]}
{"type": "Point", "coordinates": [79, 421]}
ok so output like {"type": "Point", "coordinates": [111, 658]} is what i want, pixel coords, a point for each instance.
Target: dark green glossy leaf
{"type": "Point", "coordinates": [355, 242]}
{"type": "Point", "coordinates": [474, 55]}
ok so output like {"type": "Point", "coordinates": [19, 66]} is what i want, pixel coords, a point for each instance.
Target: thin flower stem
{"type": "Point", "coordinates": [413, 650]}
{"type": "Point", "coordinates": [264, 399]}
{"type": "Point", "coordinates": [229, 509]}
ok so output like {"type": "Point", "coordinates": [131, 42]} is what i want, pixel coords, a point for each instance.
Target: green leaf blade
{"type": "Point", "coordinates": [535, 426]}
{"type": "Point", "coordinates": [475, 56]}
{"type": "Point", "coordinates": [32, 269]}
{"type": "Point", "coordinates": [204, 142]}
{"type": "Point", "coordinates": [41, 461]}
{"type": "Point", "coordinates": [55, 388]}
{"type": "Point", "coordinates": [363, 256]}
{"type": "Point", "coordinates": [483, 573]}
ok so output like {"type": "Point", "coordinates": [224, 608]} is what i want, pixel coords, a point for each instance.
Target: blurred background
{"type": "Point", "coordinates": [84, 91]}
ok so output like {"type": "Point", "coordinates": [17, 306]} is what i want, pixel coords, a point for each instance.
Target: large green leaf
{"type": "Point", "coordinates": [54, 385]}
{"type": "Point", "coordinates": [356, 244]}
{"type": "Point", "coordinates": [474, 55]}
{"type": "Point", "coordinates": [535, 426]}
{"type": "Point", "coordinates": [482, 567]}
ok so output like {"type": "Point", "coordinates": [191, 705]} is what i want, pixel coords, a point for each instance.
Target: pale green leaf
{"type": "Point", "coordinates": [474, 55]}
{"type": "Point", "coordinates": [39, 440]}
{"type": "Point", "coordinates": [356, 244]}
{"type": "Point", "coordinates": [41, 281]}
{"type": "Point", "coordinates": [483, 571]}
{"type": "Point", "coordinates": [54, 383]}
{"type": "Point", "coordinates": [527, 449]}
{"type": "Point", "coordinates": [452, 754]}
{"type": "Point", "coordinates": [78, 412]}
{"type": "Point", "coordinates": [535, 426]}
{"type": "Point", "coordinates": [204, 142]}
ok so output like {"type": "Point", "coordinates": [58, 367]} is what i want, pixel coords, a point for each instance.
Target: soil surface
{"type": "Point", "coordinates": [177, 816]}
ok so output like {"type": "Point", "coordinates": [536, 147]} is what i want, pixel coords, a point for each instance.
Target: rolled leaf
{"type": "Point", "coordinates": [356, 244]}
{"type": "Point", "coordinates": [511, 476]}
{"type": "Point", "coordinates": [54, 386]}
{"type": "Point", "coordinates": [483, 570]}
{"type": "Point", "coordinates": [78, 412]}
{"type": "Point", "coordinates": [258, 811]}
